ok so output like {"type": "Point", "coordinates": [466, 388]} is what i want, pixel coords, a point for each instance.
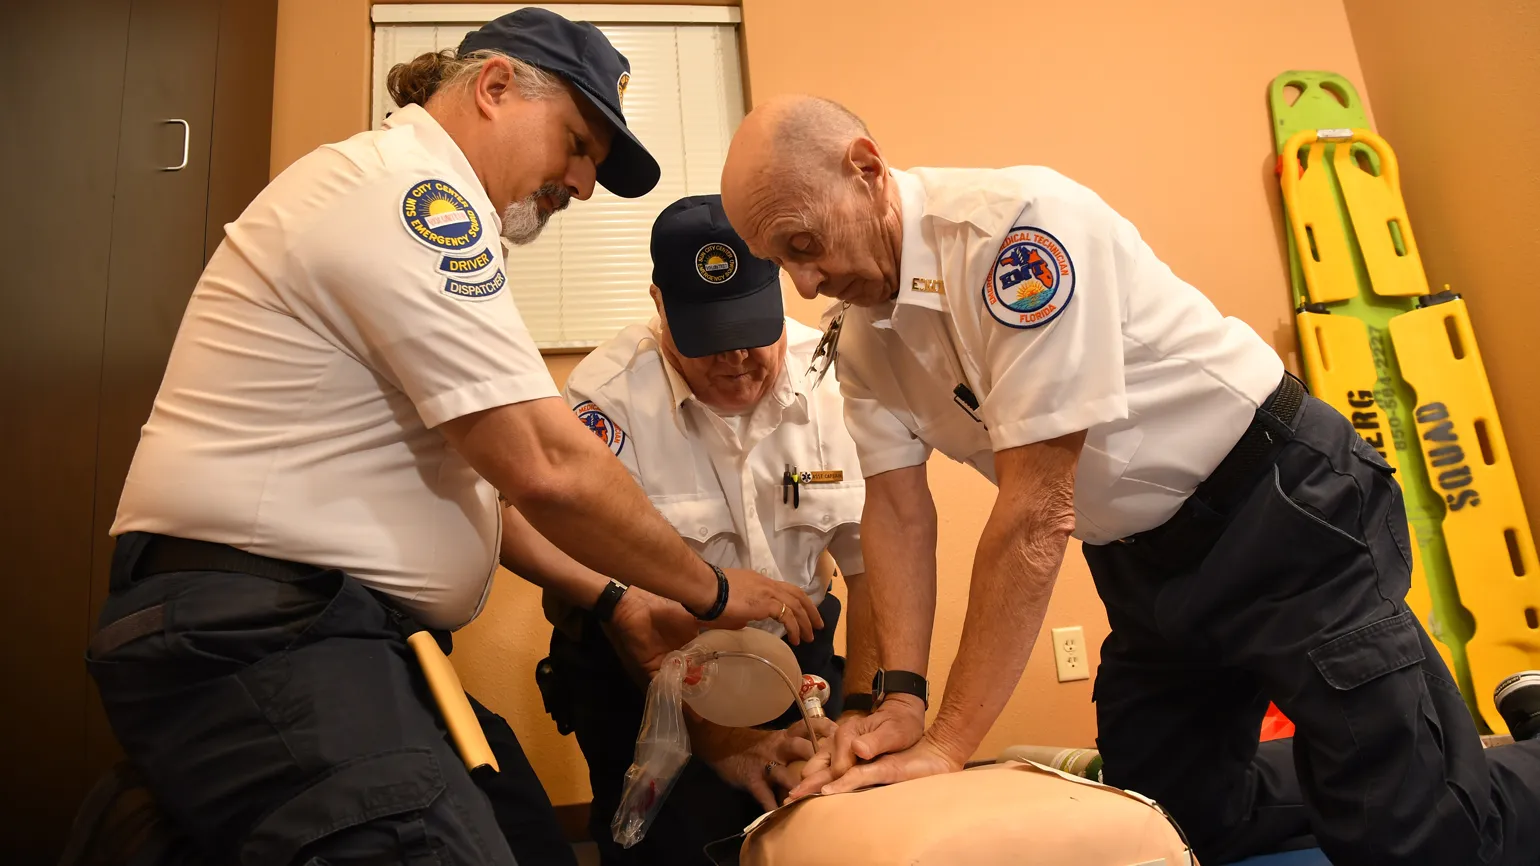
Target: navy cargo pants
{"type": "Point", "coordinates": [1294, 590]}
{"type": "Point", "coordinates": [285, 721]}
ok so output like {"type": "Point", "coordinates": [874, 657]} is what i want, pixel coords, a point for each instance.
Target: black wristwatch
{"type": "Point", "coordinates": [604, 608]}
{"type": "Point", "coordinates": [899, 683]}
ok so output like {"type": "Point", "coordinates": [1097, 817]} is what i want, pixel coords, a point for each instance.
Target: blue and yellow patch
{"type": "Point", "coordinates": [1032, 281]}
{"type": "Point", "coordinates": [716, 263]}
{"type": "Point", "coordinates": [465, 264]}
{"type": "Point", "coordinates": [608, 431]}
{"type": "Point", "coordinates": [438, 215]}
{"type": "Point", "coordinates": [475, 291]}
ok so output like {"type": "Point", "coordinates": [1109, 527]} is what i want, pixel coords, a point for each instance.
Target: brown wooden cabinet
{"type": "Point", "coordinates": [133, 131]}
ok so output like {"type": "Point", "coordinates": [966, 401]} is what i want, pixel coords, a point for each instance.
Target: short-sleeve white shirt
{"type": "Point", "coordinates": [1029, 290]}
{"type": "Point", "coordinates": [721, 486]}
{"type": "Point", "coordinates": [359, 302]}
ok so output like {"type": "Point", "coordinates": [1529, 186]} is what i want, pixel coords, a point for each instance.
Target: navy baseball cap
{"type": "Point", "coordinates": [717, 296]}
{"type": "Point", "coordinates": [578, 52]}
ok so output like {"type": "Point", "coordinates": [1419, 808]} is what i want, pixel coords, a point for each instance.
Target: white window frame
{"type": "Point", "coordinates": [471, 15]}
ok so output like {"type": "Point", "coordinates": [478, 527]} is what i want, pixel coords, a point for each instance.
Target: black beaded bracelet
{"type": "Point", "coordinates": [721, 602]}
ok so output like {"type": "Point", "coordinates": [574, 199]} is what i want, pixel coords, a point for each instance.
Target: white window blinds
{"type": "Point", "coordinates": [587, 275]}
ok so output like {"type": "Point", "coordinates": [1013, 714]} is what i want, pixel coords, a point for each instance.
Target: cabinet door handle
{"type": "Point", "coordinates": [186, 135]}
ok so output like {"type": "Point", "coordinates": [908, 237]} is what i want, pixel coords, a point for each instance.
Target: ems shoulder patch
{"type": "Point", "coordinates": [1032, 280]}
{"type": "Point", "coordinates": [436, 214]}
{"type": "Point", "coordinates": [481, 291]}
{"type": "Point", "coordinates": [608, 431]}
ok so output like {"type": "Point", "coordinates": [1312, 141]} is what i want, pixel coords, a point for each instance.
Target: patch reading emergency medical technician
{"type": "Point", "coordinates": [1032, 281]}
{"type": "Point", "coordinates": [608, 431]}
{"type": "Point", "coordinates": [475, 291]}
{"type": "Point", "coordinates": [438, 215]}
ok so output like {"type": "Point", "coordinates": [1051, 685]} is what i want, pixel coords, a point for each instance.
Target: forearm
{"type": "Point", "coordinates": [573, 491]}
{"type": "Point", "coordinates": [860, 636]}
{"type": "Point", "coordinates": [898, 542]}
{"type": "Point", "coordinates": [532, 556]}
{"type": "Point", "coordinates": [1014, 572]}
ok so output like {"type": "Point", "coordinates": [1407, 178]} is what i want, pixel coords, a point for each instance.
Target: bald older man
{"type": "Point", "coordinates": [1247, 543]}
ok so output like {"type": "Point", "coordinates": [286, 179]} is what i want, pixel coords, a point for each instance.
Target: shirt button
{"type": "Point", "coordinates": [828, 519]}
{"type": "Point", "coordinates": [703, 531]}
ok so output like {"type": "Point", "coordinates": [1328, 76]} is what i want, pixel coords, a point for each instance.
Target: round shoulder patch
{"type": "Point", "coordinates": [608, 431]}
{"type": "Point", "coordinates": [1032, 280]}
{"type": "Point", "coordinates": [716, 263]}
{"type": "Point", "coordinates": [438, 215]}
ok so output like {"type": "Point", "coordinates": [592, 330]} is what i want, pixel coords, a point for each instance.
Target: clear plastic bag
{"type": "Point", "coordinates": [662, 750]}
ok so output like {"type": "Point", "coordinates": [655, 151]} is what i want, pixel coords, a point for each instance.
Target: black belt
{"type": "Point", "coordinates": [1271, 426]}
{"type": "Point", "coordinates": [166, 554]}
{"type": "Point", "coordinates": [1193, 529]}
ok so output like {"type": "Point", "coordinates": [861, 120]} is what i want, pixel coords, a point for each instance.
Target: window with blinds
{"type": "Point", "coordinates": [587, 275]}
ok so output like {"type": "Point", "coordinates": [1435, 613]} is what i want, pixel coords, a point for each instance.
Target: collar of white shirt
{"type": "Point", "coordinates": [441, 145]}
{"type": "Point", "coordinates": [790, 390]}
{"type": "Point", "coordinates": [919, 271]}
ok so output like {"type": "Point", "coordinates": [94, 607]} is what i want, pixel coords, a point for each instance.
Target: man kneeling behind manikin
{"type": "Point", "coordinates": [1247, 542]}
{"type": "Point", "coordinates": [709, 408]}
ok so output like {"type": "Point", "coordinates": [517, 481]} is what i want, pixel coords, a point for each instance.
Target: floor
{"type": "Point", "coordinates": [587, 854]}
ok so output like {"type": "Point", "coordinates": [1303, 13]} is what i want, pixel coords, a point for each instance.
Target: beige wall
{"type": "Point", "coordinates": [1159, 107]}
{"type": "Point", "coordinates": [1457, 97]}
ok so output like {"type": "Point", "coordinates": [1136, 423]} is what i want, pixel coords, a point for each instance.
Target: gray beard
{"type": "Point", "coordinates": [524, 220]}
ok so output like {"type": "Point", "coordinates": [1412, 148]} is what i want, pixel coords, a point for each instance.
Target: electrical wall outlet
{"type": "Point", "coordinates": [1069, 654]}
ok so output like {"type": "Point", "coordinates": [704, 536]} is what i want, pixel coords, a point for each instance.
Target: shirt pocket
{"type": "Point", "coordinates": [705, 522]}
{"type": "Point", "coordinates": [821, 507]}
{"type": "Point", "coordinates": [804, 532]}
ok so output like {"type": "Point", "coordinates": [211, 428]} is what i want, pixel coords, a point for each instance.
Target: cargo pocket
{"type": "Point", "coordinates": [1368, 653]}
{"type": "Point", "coordinates": [395, 784]}
{"type": "Point", "coordinates": [1376, 691]}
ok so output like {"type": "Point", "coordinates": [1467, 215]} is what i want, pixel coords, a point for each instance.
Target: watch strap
{"type": "Point", "coordinates": [900, 682]}
{"type": "Point", "coordinates": [609, 599]}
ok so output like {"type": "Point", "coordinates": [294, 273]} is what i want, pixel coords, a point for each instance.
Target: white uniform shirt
{"type": "Point", "coordinates": [358, 303]}
{"type": "Point", "coordinates": [1030, 290]}
{"type": "Point", "coordinates": [722, 493]}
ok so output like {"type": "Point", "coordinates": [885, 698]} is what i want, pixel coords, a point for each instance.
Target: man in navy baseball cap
{"type": "Point", "coordinates": [717, 296]}
{"type": "Point", "coordinates": [580, 54]}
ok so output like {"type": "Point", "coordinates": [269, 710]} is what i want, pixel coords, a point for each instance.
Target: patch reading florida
{"type": "Point", "coordinates": [1032, 281]}
{"type": "Point", "coordinates": [438, 215]}
{"type": "Point", "coordinates": [608, 431]}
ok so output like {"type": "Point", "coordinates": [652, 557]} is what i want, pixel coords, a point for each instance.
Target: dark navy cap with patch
{"type": "Point", "coordinates": [580, 53]}
{"type": "Point", "coordinates": [717, 296]}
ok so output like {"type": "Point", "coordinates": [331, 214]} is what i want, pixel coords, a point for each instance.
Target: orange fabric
{"type": "Point", "coordinates": [1275, 725]}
